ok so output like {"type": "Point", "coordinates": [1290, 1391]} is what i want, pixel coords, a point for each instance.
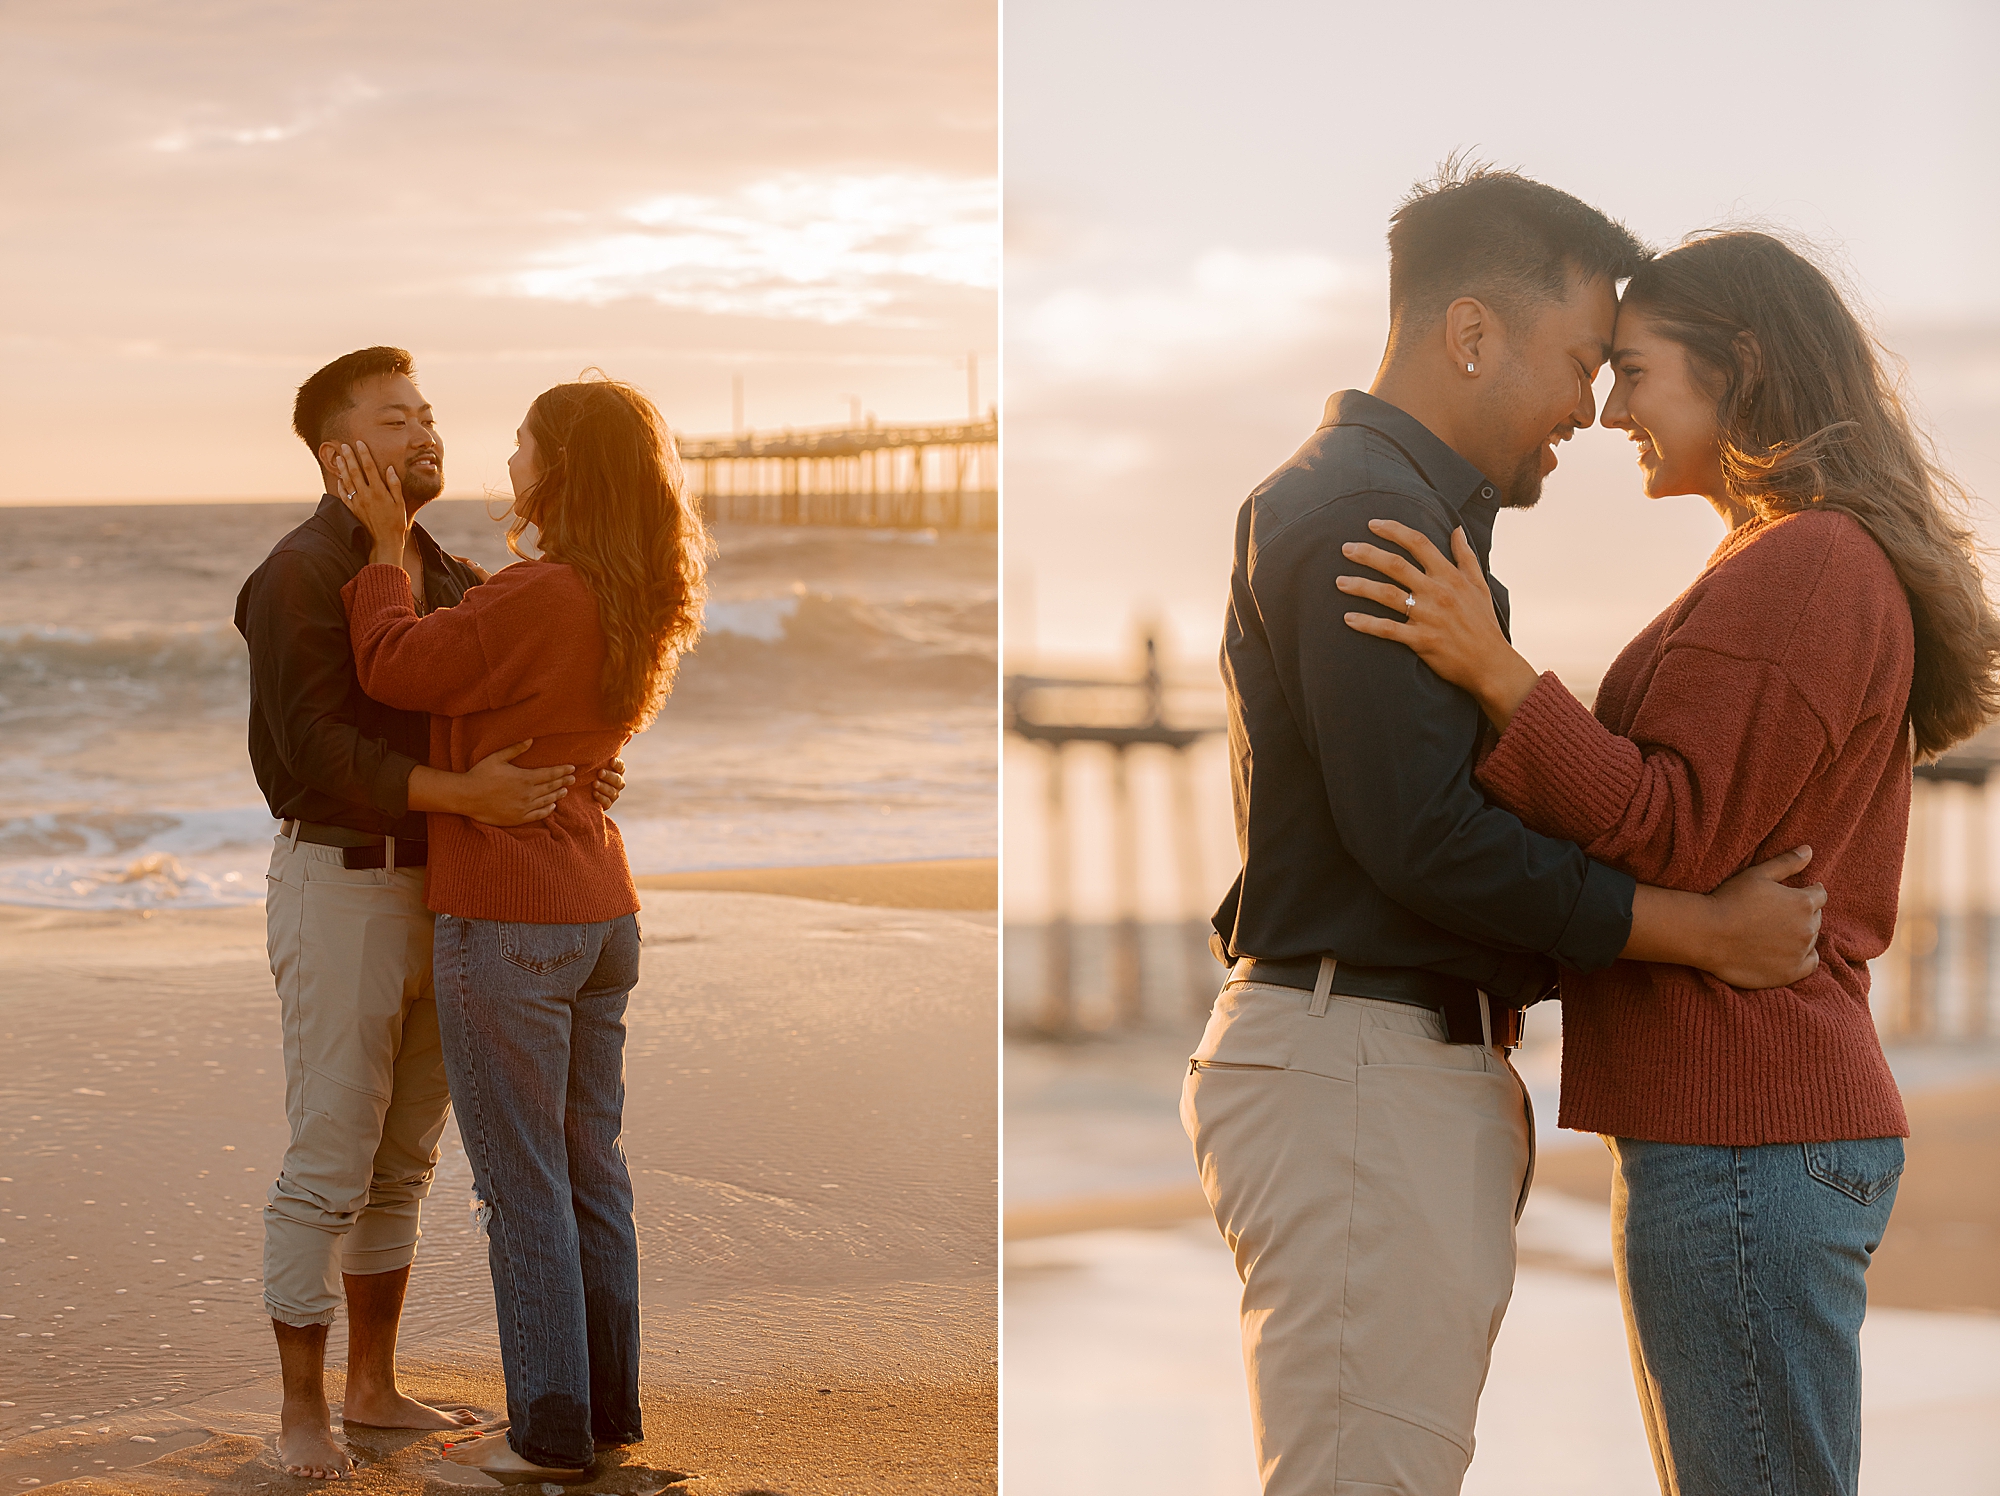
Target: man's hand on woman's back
{"type": "Point", "coordinates": [1755, 931]}
{"type": "Point", "coordinates": [1769, 930]}
{"type": "Point", "coordinates": [493, 791]}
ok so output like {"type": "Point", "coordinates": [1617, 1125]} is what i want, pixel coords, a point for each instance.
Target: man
{"type": "Point", "coordinates": [1361, 1134]}
{"type": "Point", "coordinates": [349, 936]}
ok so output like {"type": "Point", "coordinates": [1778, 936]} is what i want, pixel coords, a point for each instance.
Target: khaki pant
{"type": "Point", "coordinates": [1367, 1175]}
{"type": "Point", "coordinates": [364, 1075]}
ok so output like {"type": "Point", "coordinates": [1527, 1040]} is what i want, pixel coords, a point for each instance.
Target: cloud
{"type": "Point", "coordinates": [344, 95]}
{"type": "Point", "coordinates": [823, 248]}
{"type": "Point", "coordinates": [1229, 304]}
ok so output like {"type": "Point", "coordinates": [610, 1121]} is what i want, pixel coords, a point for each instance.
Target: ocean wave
{"type": "Point", "coordinates": [155, 881]}
{"type": "Point", "coordinates": [37, 652]}
{"type": "Point", "coordinates": [117, 833]}
{"type": "Point", "coordinates": [829, 638]}
{"type": "Point", "coordinates": [828, 643]}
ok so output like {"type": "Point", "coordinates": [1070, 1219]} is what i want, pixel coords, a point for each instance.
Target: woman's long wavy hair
{"type": "Point", "coordinates": [1810, 419]}
{"type": "Point", "coordinates": [610, 500]}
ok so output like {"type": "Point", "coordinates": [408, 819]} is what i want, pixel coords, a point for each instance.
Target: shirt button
{"type": "Point", "coordinates": [1486, 493]}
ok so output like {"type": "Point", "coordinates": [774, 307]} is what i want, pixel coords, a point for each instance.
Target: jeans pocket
{"type": "Point", "coordinates": [542, 948]}
{"type": "Point", "coordinates": [1863, 1169]}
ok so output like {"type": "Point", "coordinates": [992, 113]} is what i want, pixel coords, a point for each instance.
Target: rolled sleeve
{"type": "Point", "coordinates": [1601, 923]}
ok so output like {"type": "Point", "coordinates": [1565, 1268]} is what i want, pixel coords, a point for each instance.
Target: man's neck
{"type": "Point", "coordinates": [1419, 399]}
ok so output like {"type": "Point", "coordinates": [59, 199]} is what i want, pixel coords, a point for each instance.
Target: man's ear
{"type": "Point", "coordinates": [1468, 324]}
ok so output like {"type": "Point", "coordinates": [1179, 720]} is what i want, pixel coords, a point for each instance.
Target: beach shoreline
{"type": "Point", "coordinates": [811, 1126]}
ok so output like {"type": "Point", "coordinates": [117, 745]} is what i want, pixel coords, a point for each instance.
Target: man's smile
{"type": "Point", "coordinates": [1549, 458]}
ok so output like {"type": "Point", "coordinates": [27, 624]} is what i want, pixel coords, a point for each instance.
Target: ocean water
{"type": "Point", "coordinates": [840, 707]}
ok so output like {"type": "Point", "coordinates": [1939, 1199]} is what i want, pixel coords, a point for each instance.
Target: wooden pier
{"type": "Point", "coordinates": [1063, 714]}
{"type": "Point", "coordinates": [936, 475]}
{"type": "Point", "coordinates": [1936, 980]}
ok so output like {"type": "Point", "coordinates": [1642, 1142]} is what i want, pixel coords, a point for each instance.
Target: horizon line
{"type": "Point", "coordinates": [108, 501]}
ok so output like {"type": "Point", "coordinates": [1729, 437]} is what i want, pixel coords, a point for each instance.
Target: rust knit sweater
{"type": "Point", "coordinates": [519, 658]}
{"type": "Point", "coordinates": [1762, 711]}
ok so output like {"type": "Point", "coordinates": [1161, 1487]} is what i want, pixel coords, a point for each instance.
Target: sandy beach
{"type": "Point", "coordinates": [811, 1128]}
{"type": "Point", "coordinates": [945, 883]}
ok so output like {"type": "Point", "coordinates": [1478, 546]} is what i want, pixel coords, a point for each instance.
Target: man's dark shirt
{"type": "Point", "coordinates": [322, 750]}
{"type": "Point", "coordinates": [1362, 833]}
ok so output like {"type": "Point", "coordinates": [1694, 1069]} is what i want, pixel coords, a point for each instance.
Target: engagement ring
{"type": "Point", "coordinates": [1410, 603]}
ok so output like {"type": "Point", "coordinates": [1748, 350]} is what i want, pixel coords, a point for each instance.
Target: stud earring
{"type": "Point", "coordinates": [1469, 369]}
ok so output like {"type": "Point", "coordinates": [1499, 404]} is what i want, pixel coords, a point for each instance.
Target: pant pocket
{"type": "Point", "coordinates": [1860, 1168]}
{"type": "Point", "coordinates": [542, 948]}
{"type": "Point", "coordinates": [1227, 1065]}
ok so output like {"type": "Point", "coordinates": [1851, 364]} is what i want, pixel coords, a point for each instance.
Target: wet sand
{"type": "Point", "coordinates": [811, 1128]}
{"type": "Point", "coordinates": [957, 883]}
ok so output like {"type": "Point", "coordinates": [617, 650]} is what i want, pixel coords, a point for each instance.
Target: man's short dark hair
{"type": "Point", "coordinates": [329, 394]}
{"type": "Point", "coordinates": [1475, 230]}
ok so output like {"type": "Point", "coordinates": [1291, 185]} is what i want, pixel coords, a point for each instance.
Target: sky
{"type": "Point", "coordinates": [203, 201]}
{"type": "Point", "coordinates": [1195, 201]}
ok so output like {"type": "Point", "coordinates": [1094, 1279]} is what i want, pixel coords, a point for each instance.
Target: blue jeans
{"type": "Point", "coordinates": [1742, 1273]}
{"type": "Point", "coordinates": [533, 1021]}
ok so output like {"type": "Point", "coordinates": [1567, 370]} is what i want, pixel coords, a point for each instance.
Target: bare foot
{"type": "Point", "coordinates": [368, 1409]}
{"type": "Point", "coordinates": [306, 1445]}
{"type": "Point", "coordinates": [496, 1457]}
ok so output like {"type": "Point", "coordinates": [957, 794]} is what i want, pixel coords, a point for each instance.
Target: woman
{"type": "Point", "coordinates": [537, 947]}
{"type": "Point", "coordinates": [1841, 625]}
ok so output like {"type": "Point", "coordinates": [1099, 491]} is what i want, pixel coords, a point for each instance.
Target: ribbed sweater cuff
{"type": "Point", "coordinates": [376, 586]}
{"type": "Point", "coordinates": [1561, 770]}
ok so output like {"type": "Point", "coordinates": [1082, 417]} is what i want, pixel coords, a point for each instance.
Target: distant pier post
{"type": "Point", "coordinates": [1057, 1014]}
{"type": "Point", "coordinates": [1197, 967]}
{"type": "Point", "coordinates": [1127, 977]}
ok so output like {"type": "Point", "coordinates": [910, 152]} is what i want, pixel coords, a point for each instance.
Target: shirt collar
{"type": "Point", "coordinates": [341, 520]}
{"type": "Point", "coordinates": [1466, 491]}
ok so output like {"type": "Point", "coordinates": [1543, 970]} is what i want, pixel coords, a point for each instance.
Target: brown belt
{"type": "Point", "coordinates": [360, 850]}
{"type": "Point", "coordinates": [1470, 1016]}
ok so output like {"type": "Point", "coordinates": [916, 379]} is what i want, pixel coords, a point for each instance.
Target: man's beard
{"type": "Point", "coordinates": [1523, 490]}
{"type": "Point", "coordinates": [421, 488]}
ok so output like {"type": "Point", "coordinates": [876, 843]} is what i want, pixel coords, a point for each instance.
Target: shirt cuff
{"type": "Point", "coordinates": [392, 784]}
{"type": "Point", "coordinates": [1601, 923]}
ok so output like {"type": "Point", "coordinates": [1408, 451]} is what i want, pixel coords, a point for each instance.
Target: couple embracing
{"type": "Point", "coordinates": [1435, 837]}
{"type": "Point", "coordinates": [447, 921]}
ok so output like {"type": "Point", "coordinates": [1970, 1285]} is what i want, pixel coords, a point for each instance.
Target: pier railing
{"type": "Point", "coordinates": [923, 475]}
